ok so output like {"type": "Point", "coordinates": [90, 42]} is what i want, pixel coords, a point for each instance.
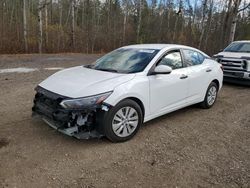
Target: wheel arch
{"type": "Point", "coordinates": [217, 83]}
{"type": "Point", "coordinates": [139, 102]}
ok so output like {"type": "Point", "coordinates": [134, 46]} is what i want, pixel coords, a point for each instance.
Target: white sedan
{"type": "Point", "coordinates": [125, 88]}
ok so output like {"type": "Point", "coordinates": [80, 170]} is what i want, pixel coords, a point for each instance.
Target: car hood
{"type": "Point", "coordinates": [81, 82]}
{"type": "Point", "coordinates": [234, 54]}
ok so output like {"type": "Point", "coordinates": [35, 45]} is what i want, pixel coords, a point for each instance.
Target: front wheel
{"type": "Point", "coordinates": [123, 121]}
{"type": "Point", "coordinates": [211, 96]}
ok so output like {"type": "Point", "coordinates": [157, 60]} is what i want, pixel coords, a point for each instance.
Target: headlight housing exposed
{"type": "Point", "coordinates": [85, 102]}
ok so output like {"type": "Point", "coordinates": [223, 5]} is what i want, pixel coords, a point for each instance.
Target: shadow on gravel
{"type": "Point", "coordinates": [3, 142]}
{"type": "Point", "coordinates": [238, 84]}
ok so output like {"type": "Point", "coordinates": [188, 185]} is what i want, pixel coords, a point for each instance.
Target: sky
{"type": "Point", "coordinates": [218, 3]}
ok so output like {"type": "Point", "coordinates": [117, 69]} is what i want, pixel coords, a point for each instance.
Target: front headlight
{"type": "Point", "coordinates": [84, 102]}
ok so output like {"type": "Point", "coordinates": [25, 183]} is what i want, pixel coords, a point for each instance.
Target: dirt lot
{"type": "Point", "coordinates": [188, 148]}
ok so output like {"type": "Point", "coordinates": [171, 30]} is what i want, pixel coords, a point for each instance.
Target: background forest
{"type": "Point", "coordinates": [96, 26]}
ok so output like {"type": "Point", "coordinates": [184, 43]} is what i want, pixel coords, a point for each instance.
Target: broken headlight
{"type": "Point", "coordinates": [85, 101]}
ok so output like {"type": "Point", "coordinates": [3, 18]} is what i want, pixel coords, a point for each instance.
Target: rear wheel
{"type": "Point", "coordinates": [211, 96]}
{"type": "Point", "coordinates": [123, 121]}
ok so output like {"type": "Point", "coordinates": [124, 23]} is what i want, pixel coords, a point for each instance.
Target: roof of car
{"type": "Point", "coordinates": [162, 46]}
{"type": "Point", "coordinates": [154, 46]}
{"type": "Point", "coordinates": [247, 41]}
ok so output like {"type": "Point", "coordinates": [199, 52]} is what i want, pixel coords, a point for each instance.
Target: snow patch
{"type": "Point", "coordinates": [54, 68]}
{"type": "Point", "coordinates": [18, 70]}
{"type": "Point", "coordinates": [59, 58]}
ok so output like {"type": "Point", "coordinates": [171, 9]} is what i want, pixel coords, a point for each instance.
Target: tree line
{"type": "Point", "coordinates": [96, 26]}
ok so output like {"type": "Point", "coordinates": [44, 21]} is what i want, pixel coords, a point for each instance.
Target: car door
{"type": "Point", "coordinates": [168, 91]}
{"type": "Point", "coordinates": [198, 73]}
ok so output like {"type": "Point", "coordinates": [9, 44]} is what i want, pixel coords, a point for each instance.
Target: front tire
{"type": "Point", "coordinates": [211, 96]}
{"type": "Point", "coordinates": [123, 121]}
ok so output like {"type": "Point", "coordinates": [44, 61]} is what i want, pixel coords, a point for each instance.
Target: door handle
{"type": "Point", "coordinates": [183, 76]}
{"type": "Point", "coordinates": [208, 70]}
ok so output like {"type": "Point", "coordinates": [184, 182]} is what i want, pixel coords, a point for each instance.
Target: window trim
{"type": "Point", "coordinates": [182, 50]}
{"type": "Point", "coordinates": [151, 70]}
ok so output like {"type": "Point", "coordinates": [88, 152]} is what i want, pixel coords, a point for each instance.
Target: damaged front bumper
{"type": "Point", "coordinates": [82, 124]}
{"type": "Point", "coordinates": [73, 131]}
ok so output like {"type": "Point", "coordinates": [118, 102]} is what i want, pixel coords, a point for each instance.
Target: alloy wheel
{"type": "Point", "coordinates": [212, 94]}
{"type": "Point", "coordinates": [125, 121]}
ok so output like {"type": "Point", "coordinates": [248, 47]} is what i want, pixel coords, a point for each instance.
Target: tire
{"type": "Point", "coordinates": [117, 126]}
{"type": "Point", "coordinates": [211, 96]}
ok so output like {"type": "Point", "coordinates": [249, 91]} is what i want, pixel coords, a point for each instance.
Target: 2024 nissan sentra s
{"type": "Point", "coordinates": [125, 88]}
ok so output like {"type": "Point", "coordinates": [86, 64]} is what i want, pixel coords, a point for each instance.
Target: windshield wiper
{"type": "Point", "coordinates": [106, 69]}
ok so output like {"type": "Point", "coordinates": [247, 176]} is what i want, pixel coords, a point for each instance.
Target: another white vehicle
{"type": "Point", "coordinates": [126, 88]}
{"type": "Point", "coordinates": [236, 62]}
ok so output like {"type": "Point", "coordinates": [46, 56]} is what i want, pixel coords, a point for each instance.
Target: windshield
{"type": "Point", "coordinates": [238, 47]}
{"type": "Point", "coordinates": [125, 60]}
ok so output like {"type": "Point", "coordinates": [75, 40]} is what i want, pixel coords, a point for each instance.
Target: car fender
{"type": "Point", "coordinates": [216, 73]}
{"type": "Point", "coordinates": [135, 88]}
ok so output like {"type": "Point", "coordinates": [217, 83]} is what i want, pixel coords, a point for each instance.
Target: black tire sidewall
{"type": "Point", "coordinates": [107, 121]}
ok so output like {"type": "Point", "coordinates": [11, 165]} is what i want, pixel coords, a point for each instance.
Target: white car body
{"type": "Point", "coordinates": [160, 94]}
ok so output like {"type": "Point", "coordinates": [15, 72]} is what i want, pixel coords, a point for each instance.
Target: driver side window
{"type": "Point", "coordinates": [172, 59]}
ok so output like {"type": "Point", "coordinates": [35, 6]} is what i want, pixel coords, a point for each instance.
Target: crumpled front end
{"type": "Point", "coordinates": [81, 123]}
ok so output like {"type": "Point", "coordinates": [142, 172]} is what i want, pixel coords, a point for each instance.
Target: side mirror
{"type": "Point", "coordinates": [162, 69]}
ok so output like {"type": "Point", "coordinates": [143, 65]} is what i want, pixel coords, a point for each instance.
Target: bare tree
{"type": "Point", "coordinates": [46, 23]}
{"type": "Point", "coordinates": [96, 25]}
{"type": "Point", "coordinates": [125, 10]}
{"type": "Point", "coordinates": [178, 14]}
{"type": "Point", "coordinates": [235, 13]}
{"type": "Point", "coordinates": [204, 9]}
{"type": "Point", "coordinates": [25, 26]}
{"type": "Point", "coordinates": [60, 24]}
{"type": "Point", "coordinates": [224, 32]}
{"type": "Point", "coordinates": [209, 22]}
{"type": "Point", "coordinates": [73, 24]}
{"type": "Point", "coordinates": [101, 25]}
{"type": "Point", "coordinates": [195, 7]}
{"type": "Point", "coordinates": [161, 14]}
{"type": "Point", "coordinates": [40, 23]}
{"type": "Point", "coordinates": [139, 16]}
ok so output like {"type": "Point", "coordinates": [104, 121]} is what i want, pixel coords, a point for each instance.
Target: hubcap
{"type": "Point", "coordinates": [125, 121]}
{"type": "Point", "coordinates": [212, 93]}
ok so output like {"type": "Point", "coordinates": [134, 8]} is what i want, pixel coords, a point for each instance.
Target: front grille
{"type": "Point", "coordinates": [233, 64]}
{"type": "Point", "coordinates": [47, 104]}
{"type": "Point", "coordinates": [48, 98]}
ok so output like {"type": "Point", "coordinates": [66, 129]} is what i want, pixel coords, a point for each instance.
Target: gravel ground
{"type": "Point", "coordinates": [191, 147]}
